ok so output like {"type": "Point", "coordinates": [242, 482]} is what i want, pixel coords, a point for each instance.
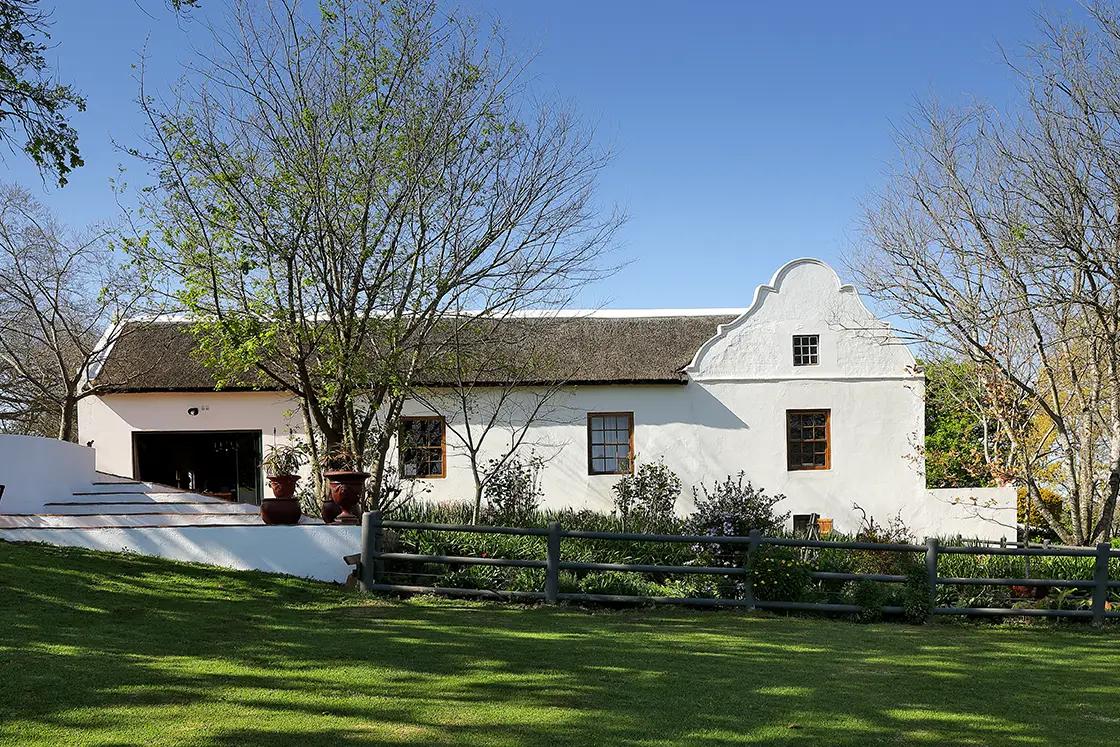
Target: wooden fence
{"type": "Point", "coordinates": [372, 574]}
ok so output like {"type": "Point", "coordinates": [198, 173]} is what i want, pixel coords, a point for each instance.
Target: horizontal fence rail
{"type": "Point", "coordinates": [372, 572]}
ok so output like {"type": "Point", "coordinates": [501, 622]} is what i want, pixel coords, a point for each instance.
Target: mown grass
{"type": "Point", "coordinates": [100, 649]}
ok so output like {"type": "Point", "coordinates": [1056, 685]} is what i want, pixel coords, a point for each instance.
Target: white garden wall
{"type": "Point", "coordinates": [307, 551]}
{"type": "Point", "coordinates": [36, 470]}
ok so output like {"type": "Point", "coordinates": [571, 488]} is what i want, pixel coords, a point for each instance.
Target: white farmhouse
{"type": "Point", "coordinates": [805, 391]}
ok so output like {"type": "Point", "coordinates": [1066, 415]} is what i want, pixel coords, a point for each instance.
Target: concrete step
{"type": "Point", "coordinates": [142, 497]}
{"type": "Point", "coordinates": [82, 508]}
{"type": "Point", "coordinates": [98, 521]}
{"type": "Point", "coordinates": [104, 478]}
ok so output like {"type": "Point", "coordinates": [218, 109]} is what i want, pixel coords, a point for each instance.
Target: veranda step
{"type": "Point", "coordinates": [147, 507]}
{"type": "Point", "coordinates": [142, 497]}
{"type": "Point", "coordinates": [104, 478]}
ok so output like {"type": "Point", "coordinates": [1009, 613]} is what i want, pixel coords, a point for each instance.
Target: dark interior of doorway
{"type": "Point", "coordinates": [219, 463]}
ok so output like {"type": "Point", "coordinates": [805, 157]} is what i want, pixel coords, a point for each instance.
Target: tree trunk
{"type": "Point", "coordinates": [477, 510]}
{"type": "Point", "coordinates": [68, 420]}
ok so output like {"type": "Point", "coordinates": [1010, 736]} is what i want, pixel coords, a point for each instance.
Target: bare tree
{"type": "Point", "coordinates": [498, 380]}
{"type": "Point", "coordinates": [996, 238]}
{"type": "Point", "coordinates": [337, 177]}
{"type": "Point", "coordinates": [61, 297]}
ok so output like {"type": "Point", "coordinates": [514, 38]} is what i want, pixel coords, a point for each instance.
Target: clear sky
{"type": "Point", "coordinates": [745, 132]}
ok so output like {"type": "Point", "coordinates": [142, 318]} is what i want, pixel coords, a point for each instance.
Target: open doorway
{"type": "Point", "coordinates": [224, 464]}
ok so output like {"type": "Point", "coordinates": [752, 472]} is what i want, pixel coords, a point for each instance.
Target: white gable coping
{"type": "Point", "coordinates": [877, 327]}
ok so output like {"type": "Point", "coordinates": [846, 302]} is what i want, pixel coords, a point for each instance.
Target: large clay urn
{"type": "Point", "coordinates": [284, 507]}
{"type": "Point", "coordinates": [329, 510]}
{"type": "Point", "coordinates": [346, 490]}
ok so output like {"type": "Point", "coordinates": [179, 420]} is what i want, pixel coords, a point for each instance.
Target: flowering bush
{"type": "Point", "coordinates": [778, 574]}
{"type": "Point", "coordinates": [732, 509]}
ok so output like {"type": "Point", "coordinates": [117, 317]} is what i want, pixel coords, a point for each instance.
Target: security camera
{"type": "Point", "coordinates": [192, 411]}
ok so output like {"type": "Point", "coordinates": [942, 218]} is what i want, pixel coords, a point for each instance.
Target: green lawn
{"type": "Point", "coordinates": [121, 650]}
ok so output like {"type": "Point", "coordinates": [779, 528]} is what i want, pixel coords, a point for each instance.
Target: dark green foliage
{"type": "Point", "coordinates": [871, 597]}
{"type": "Point", "coordinates": [31, 102]}
{"type": "Point", "coordinates": [618, 582]}
{"type": "Point", "coordinates": [954, 446]}
{"type": "Point", "coordinates": [778, 574]}
{"type": "Point", "coordinates": [915, 596]}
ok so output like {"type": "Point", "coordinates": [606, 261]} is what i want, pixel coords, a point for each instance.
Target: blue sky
{"type": "Point", "coordinates": [745, 133]}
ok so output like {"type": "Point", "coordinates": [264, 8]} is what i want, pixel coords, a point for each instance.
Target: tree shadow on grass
{"type": "Point", "coordinates": [115, 650]}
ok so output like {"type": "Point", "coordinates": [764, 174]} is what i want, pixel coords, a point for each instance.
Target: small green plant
{"type": "Point", "coordinates": [620, 583]}
{"type": "Point", "coordinates": [916, 607]}
{"type": "Point", "coordinates": [341, 459]}
{"type": "Point", "coordinates": [282, 460]}
{"type": "Point", "coordinates": [646, 499]}
{"type": "Point", "coordinates": [870, 596]}
{"type": "Point", "coordinates": [778, 574]}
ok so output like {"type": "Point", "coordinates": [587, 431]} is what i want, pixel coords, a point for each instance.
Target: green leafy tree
{"type": "Point", "coordinates": [958, 434]}
{"type": "Point", "coordinates": [34, 108]}
{"type": "Point", "coordinates": [335, 185]}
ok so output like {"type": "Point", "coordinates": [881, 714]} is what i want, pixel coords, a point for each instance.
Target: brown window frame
{"type": "Point", "coordinates": [442, 447]}
{"type": "Point", "coordinates": [790, 466]}
{"type": "Point", "coordinates": [813, 345]}
{"type": "Point", "coordinates": [590, 459]}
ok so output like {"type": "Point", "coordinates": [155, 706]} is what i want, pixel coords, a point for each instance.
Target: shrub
{"type": "Point", "coordinates": [646, 498]}
{"type": "Point", "coordinates": [916, 607]}
{"type": "Point", "coordinates": [778, 574]}
{"type": "Point", "coordinates": [871, 596]}
{"type": "Point", "coordinates": [513, 492]}
{"type": "Point", "coordinates": [732, 509]}
{"type": "Point", "coordinates": [886, 562]}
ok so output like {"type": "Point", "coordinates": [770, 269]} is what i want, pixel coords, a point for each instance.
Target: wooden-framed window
{"type": "Point", "coordinates": [808, 440]}
{"type": "Point", "coordinates": [806, 350]}
{"type": "Point", "coordinates": [610, 443]}
{"type": "Point", "coordinates": [423, 447]}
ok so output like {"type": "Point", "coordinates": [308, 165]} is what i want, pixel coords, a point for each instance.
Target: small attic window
{"type": "Point", "coordinates": [805, 350]}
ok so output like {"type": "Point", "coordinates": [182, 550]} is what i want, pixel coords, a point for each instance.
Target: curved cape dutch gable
{"type": "Point", "coordinates": [805, 297]}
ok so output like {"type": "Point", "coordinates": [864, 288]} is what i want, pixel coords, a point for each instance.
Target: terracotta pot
{"type": "Point", "coordinates": [329, 510]}
{"type": "Point", "coordinates": [280, 511]}
{"type": "Point", "coordinates": [346, 490]}
{"type": "Point", "coordinates": [283, 486]}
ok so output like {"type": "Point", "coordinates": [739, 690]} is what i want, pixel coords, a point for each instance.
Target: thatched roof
{"type": "Point", "coordinates": [594, 349]}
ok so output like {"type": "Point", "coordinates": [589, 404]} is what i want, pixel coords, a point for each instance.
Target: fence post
{"type": "Point", "coordinates": [1100, 582]}
{"type": "Point", "coordinates": [931, 573]}
{"type": "Point", "coordinates": [371, 544]}
{"type": "Point", "coordinates": [552, 572]}
{"type": "Point", "coordinates": [752, 550]}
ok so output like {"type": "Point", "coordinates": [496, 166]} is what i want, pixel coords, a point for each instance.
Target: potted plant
{"type": "Point", "coordinates": [346, 484]}
{"type": "Point", "coordinates": [281, 466]}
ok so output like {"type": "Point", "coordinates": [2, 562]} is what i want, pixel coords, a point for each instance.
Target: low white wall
{"type": "Point", "coordinates": [308, 551]}
{"type": "Point", "coordinates": [972, 513]}
{"type": "Point", "coordinates": [36, 470]}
